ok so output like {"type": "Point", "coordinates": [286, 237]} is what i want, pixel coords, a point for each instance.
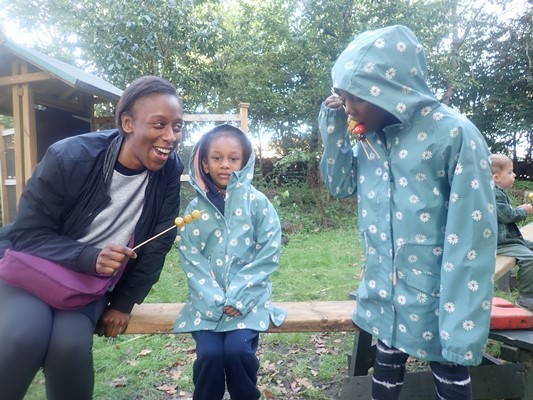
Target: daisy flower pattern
{"type": "Point", "coordinates": [429, 229]}
{"type": "Point", "coordinates": [401, 47]}
{"type": "Point", "coordinates": [390, 73]}
{"type": "Point", "coordinates": [375, 91]}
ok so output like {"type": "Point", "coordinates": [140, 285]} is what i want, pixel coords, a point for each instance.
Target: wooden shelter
{"type": "Point", "coordinates": [48, 100]}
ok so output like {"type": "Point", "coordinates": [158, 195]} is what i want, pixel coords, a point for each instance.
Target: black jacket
{"type": "Point", "coordinates": [70, 187]}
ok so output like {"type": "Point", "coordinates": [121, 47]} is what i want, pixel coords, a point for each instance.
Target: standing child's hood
{"type": "Point", "coordinates": [386, 67]}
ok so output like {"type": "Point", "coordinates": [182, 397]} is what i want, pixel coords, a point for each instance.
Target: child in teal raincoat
{"type": "Point", "coordinates": [228, 255]}
{"type": "Point", "coordinates": [426, 211]}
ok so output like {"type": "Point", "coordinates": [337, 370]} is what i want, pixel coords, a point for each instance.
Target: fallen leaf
{"type": "Point", "coordinates": [169, 389]}
{"type": "Point", "coordinates": [144, 352]}
{"type": "Point", "coordinates": [176, 374]}
{"type": "Point", "coordinates": [119, 382]}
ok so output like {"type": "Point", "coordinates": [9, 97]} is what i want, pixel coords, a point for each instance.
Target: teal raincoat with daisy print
{"type": "Point", "coordinates": [228, 259]}
{"type": "Point", "coordinates": [426, 207]}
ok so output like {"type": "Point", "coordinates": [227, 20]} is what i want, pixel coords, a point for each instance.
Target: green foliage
{"type": "Point", "coordinates": [6, 121]}
{"type": "Point", "coordinates": [277, 55]}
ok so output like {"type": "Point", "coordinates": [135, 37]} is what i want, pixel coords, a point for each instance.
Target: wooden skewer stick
{"type": "Point", "coordinates": [374, 150]}
{"type": "Point", "coordinates": [165, 231]}
{"type": "Point", "coordinates": [364, 149]}
{"type": "Point", "coordinates": [153, 237]}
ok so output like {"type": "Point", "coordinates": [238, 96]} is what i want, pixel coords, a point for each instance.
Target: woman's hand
{"type": "Point", "coordinates": [112, 323]}
{"type": "Point", "coordinates": [111, 257]}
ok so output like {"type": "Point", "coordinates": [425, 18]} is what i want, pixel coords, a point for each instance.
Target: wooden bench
{"type": "Point", "coordinates": [304, 316]}
{"type": "Point", "coordinates": [505, 264]}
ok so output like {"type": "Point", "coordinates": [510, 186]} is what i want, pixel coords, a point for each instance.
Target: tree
{"type": "Point", "coordinates": [277, 55]}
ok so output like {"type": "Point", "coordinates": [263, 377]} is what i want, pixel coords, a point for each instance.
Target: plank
{"type": "Point", "coordinates": [305, 316]}
{"type": "Point", "coordinates": [505, 263]}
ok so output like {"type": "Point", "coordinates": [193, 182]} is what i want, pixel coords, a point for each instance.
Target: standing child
{"type": "Point", "coordinates": [228, 256]}
{"type": "Point", "coordinates": [510, 240]}
{"type": "Point", "coordinates": [426, 212]}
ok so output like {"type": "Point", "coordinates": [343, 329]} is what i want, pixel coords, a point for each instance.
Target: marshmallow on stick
{"type": "Point", "coordinates": [359, 131]}
{"type": "Point", "coordinates": [179, 222]}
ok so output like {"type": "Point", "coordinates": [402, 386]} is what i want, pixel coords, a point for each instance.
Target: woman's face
{"type": "Point", "coordinates": [152, 129]}
{"type": "Point", "coordinates": [225, 155]}
{"type": "Point", "coordinates": [368, 114]}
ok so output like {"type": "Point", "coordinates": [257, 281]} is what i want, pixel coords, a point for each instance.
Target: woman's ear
{"type": "Point", "coordinates": [205, 167]}
{"type": "Point", "coordinates": [127, 123]}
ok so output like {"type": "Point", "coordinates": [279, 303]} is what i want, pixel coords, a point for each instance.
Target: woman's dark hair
{"type": "Point", "coordinates": [222, 130]}
{"type": "Point", "coordinates": [142, 87]}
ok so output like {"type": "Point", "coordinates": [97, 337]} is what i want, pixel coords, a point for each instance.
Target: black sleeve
{"type": "Point", "coordinates": [36, 229]}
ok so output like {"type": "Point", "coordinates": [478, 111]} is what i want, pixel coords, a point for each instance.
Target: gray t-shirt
{"type": "Point", "coordinates": [116, 223]}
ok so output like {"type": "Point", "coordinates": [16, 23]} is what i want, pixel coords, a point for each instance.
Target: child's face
{"type": "Point", "coordinates": [373, 117]}
{"type": "Point", "coordinates": [505, 179]}
{"type": "Point", "coordinates": [225, 155]}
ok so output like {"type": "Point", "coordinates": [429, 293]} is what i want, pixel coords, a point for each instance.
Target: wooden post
{"type": "Point", "coordinates": [25, 129]}
{"type": "Point", "coordinates": [19, 140]}
{"type": "Point", "coordinates": [4, 198]}
{"type": "Point", "coordinates": [29, 131]}
{"type": "Point", "coordinates": [244, 116]}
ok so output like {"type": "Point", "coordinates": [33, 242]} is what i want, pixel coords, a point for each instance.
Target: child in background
{"type": "Point", "coordinates": [510, 240]}
{"type": "Point", "coordinates": [228, 256]}
{"type": "Point", "coordinates": [426, 212]}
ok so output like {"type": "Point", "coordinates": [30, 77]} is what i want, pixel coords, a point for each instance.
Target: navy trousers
{"type": "Point", "coordinates": [226, 358]}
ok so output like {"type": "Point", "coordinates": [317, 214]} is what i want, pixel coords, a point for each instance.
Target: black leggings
{"type": "Point", "coordinates": [34, 335]}
{"type": "Point", "coordinates": [452, 381]}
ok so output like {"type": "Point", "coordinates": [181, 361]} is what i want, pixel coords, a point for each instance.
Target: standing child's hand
{"type": "Point", "coordinates": [232, 311]}
{"type": "Point", "coordinates": [334, 101]}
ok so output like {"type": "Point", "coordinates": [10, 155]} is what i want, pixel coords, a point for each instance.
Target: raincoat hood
{"type": "Point", "coordinates": [201, 181]}
{"type": "Point", "coordinates": [386, 67]}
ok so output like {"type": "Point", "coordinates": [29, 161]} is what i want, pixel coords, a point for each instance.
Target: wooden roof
{"type": "Point", "coordinates": [54, 82]}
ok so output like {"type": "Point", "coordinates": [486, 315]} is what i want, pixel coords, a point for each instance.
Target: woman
{"type": "Point", "coordinates": [87, 199]}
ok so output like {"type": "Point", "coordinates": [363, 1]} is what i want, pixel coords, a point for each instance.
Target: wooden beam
{"type": "Point", "coordinates": [243, 107]}
{"type": "Point", "coordinates": [211, 117]}
{"type": "Point", "coordinates": [64, 105]}
{"type": "Point", "coordinates": [19, 141]}
{"type": "Point", "coordinates": [305, 316]}
{"type": "Point", "coordinates": [17, 79]}
{"type": "Point", "coordinates": [4, 197]}
{"type": "Point", "coordinates": [29, 130]}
